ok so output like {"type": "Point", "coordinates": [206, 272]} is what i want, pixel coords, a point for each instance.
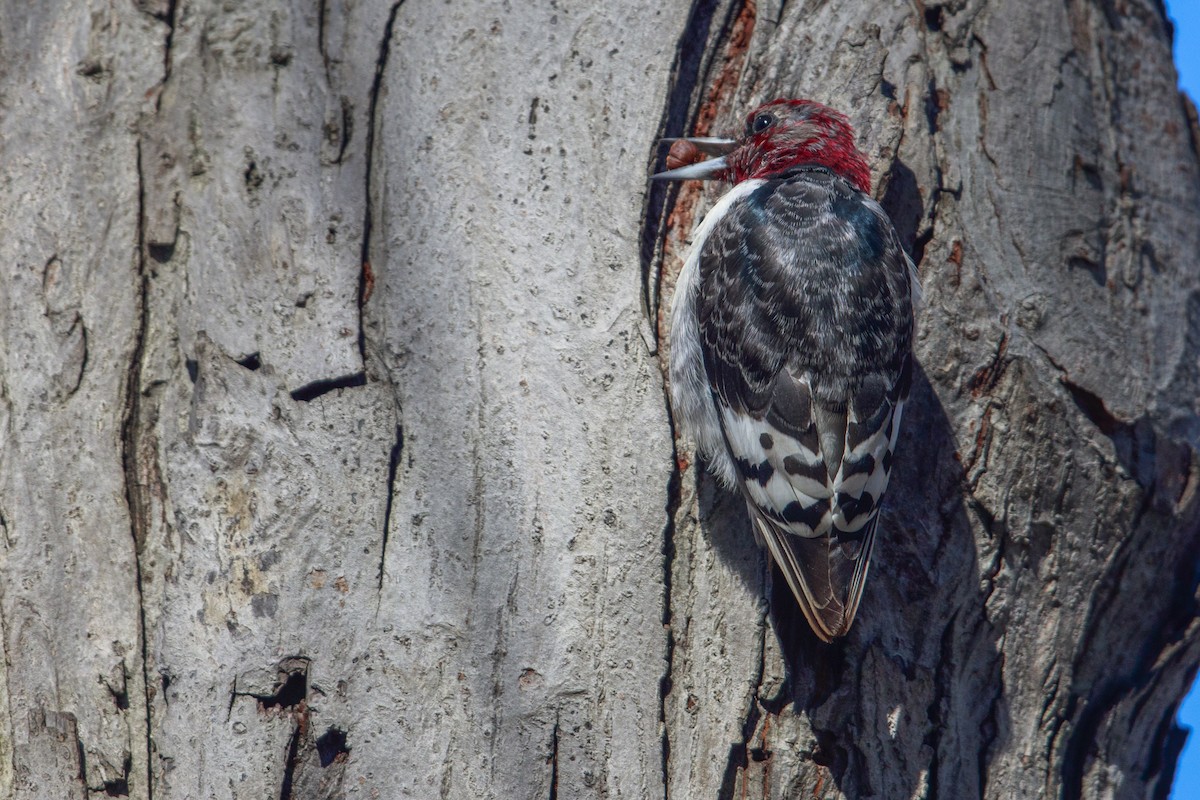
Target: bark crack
{"type": "Point", "coordinates": [165, 15]}
{"type": "Point", "coordinates": [695, 53]}
{"type": "Point", "coordinates": [1084, 734]}
{"type": "Point", "coordinates": [314, 389]}
{"type": "Point", "coordinates": [168, 46]}
{"type": "Point", "coordinates": [933, 738]}
{"type": "Point", "coordinates": [137, 501]}
{"type": "Point", "coordinates": [989, 729]}
{"type": "Point", "coordinates": [739, 752]}
{"type": "Point", "coordinates": [554, 762]}
{"type": "Point", "coordinates": [1134, 442]}
{"type": "Point", "coordinates": [1092, 406]}
{"type": "Point", "coordinates": [117, 787]}
{"type": "Point", "coordinates": [366, 280]}
{"type": "Point", "coordinates": [289, 768]}
{"type": "Point", "coordinates": [985, 379]}
{"type": "Point", "coordinates": [322, 16]}
{"type": "Point", "coordinates": [130, 441]}
{"type": "Point", "coordinates": [396, 454]}
{"type": "Point", "coordinates": [666, 683]}
{"type": "Point", "coordinates": [685, 72]}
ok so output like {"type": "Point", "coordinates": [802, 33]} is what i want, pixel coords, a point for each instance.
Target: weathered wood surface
{"type": "Point", "coordinates": [336, 461]}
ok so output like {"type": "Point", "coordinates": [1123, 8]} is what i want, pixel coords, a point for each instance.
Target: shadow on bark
{"type": "Point", "coordinates": [885, 704]}
{"type": "Point", "coordinates": [726, 526]}
{"type": "Point", "coordinates": [923, 619]}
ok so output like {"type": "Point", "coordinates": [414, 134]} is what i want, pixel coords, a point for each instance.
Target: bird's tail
{"type": "Point", "coordinates": [825, 573]}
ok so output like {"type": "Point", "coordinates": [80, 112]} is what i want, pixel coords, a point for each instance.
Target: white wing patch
{"type": "Point", "coordinates": [788, 479]}
{"type": "Point", "coordinates": [784, 478]}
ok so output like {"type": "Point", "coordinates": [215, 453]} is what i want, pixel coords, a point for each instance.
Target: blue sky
{"type": "Point", "coordinates": [1186, 15]}
{"type": "Point", "coordinates": [1187, 775]}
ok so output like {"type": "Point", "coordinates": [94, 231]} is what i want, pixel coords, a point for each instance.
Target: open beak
{"type": "Point", "coordinates": [700, 170]}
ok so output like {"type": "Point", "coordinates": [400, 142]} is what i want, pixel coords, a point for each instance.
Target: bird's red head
{"type": "Point", "coordinates": [787, 133]}
{"type": "Point", "coordinates": [779, 136]}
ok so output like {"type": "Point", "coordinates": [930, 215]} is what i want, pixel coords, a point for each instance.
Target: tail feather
{"type": "Point", "coordinates": [825, 573]}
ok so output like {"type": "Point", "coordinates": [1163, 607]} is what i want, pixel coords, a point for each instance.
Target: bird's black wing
{"type": "Point", "coordinates": [806, 321]}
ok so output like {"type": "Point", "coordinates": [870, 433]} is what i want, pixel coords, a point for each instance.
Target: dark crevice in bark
{"type": "Point", "coordinates": [1107, 587]}
{"type": "Point", "coordinates": [346, 133]}
{"type": "Point", "coordinates": [989, 729]}
{"type": "Point", "coordinates": [119, 787]}
{"type": "Point", "coordinates": [986, 378]}
{"type": "Point", "coordinates": [135, 493]}
{"type": "Point", "coordinates": [252, 362]}
{"type": "Point", "coordinates": [290, 689]}
{"type": "Point", "coordinates": [553, 760]}
{"type": "Point", "coordinates": [135, 498]}
{"type": "Point", "coordinates": [831, 754]}
{"type": "Point", "coordinates": [289, 694]}
{"type": "Point", "coordinates": [934, 104]}
{"type": "Point", "coordinates": [1135, 443]}
{"type": "Point", "coordinates": [162, 252]}
{"type": "Point", "coordinates": [167, 16]}
{"type": "Point", "coordinates": [998, 533]}
{"type": "Point", "coordinates": [1095, 707]}
{"type": "Point", "coordinates": [322, 16]}
{"type": "Point", "coordinates": [290, 764]}
{"type": "Point", "coordinates": [394, 457]}
{"type": "Point", "coordinates": [688, 73]}
{"type": "Point", "coordinates": [935, 18]}
{"type": "Point", "coordinates": [739, 752]}
{"type": "Point", "coordinates": [1093, 407]}
{"type": "Point", "coordinates": [311, 391]}
{"type": "Point", "coordinates": [666, 683]}
{"type": "Point", "coordinates": [366, 280]}
{"type": "Point", "coordinates": [80, 755]}
{"type": "Point", "coordinates": [933, 738]}
{"type": "Point", "coordinates": [83, 359]}
{"type": "Point", "coordinates": [919, 244]}
{"type": "Point", "coordinates": [120, 695]}
{"type": "Point", "coordinates": [234, 694]}
{"type": "Point", "coordinates": [783, 5]}
{"type": "Point", "coordinates": [169, 47]}
{"type": "Point", "coordinates": [979, 456]}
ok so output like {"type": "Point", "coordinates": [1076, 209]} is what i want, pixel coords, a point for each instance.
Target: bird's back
{"type": "Point", "coordinates": [803, 313]}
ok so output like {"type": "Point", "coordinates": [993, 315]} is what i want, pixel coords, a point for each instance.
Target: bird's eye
{"type": "Point", "coordinates": [762, 122]}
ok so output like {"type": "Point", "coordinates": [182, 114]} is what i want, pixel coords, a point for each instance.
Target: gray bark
{"type": "Point", "coordinates": [335, 458]}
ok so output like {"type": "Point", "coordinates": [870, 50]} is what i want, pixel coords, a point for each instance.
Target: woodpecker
{"type": "Point", "coordinates": [791, 344]}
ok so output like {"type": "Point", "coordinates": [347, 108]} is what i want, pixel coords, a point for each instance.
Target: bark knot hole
{"type": "Point", "coordinates": [292, 690]}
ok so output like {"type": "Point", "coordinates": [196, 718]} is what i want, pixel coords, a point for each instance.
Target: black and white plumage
{"type": "Point", "coordinates": [791, 338]}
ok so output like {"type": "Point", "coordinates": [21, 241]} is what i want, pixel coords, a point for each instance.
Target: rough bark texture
{"type": "Point", "coordinates": [334, 453]}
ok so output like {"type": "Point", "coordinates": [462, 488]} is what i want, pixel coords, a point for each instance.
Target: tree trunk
{"type": "Point", "coordinates": [336, 459]}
